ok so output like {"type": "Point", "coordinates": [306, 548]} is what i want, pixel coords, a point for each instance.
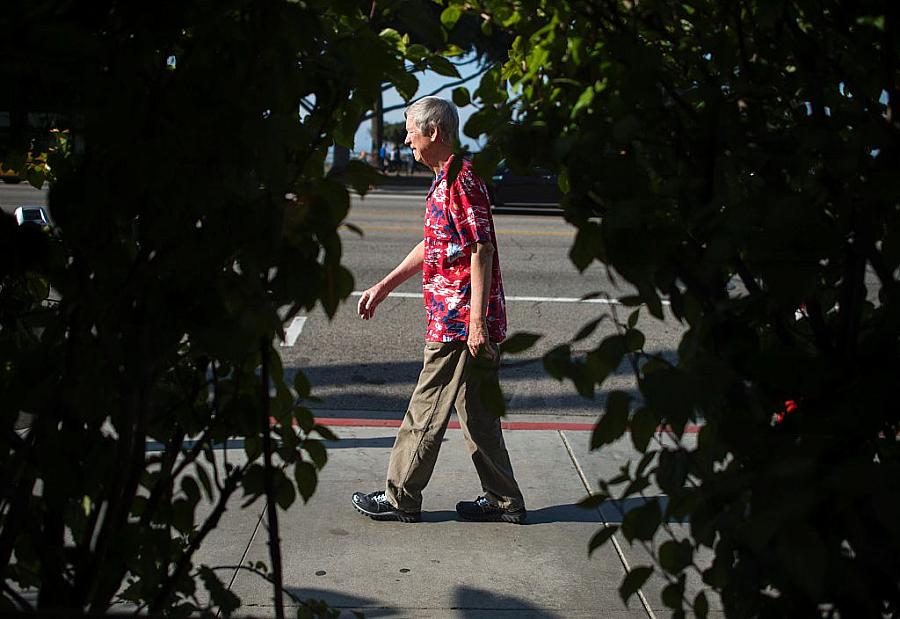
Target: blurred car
{"type": "Point", "coordinates": [540, 189]}
{"type": "Point", "coordinates": [32, 216]}
{"type": "Point", "coordinates": [9, 176]}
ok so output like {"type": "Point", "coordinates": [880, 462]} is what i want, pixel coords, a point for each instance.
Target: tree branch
{"type": "Point", "coordinates": [400, 106]}
{"type": "Point", "coordinates": [271, 502]}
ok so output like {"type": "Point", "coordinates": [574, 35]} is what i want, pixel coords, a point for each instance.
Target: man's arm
{"type": "Point", "coordinates": [482, 263]}
{"type": "Point", "coordinates": [411, 265]}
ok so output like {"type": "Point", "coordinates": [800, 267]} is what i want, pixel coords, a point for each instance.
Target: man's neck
{"type": "Point", "coordinates": [443, 158]}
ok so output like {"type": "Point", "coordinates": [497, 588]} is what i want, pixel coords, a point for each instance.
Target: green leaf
{"type": "Point", "coordinates": [406, 83]}
{"type": "Point", "coordinates": [484, 164]}
{"type": "Point", "coordinates": [875, 21]}
{"type": "Point", "coordinates": [481, 122]}
{"type": "Point", "coordinates": [669, 393]}
{"type": "Point", "coordinates": [442, 66]}
{"type": "Point", "coordinates": [613, 422]}
{"type": "Point", "coordinates": [392, 36]}
{"type": "Point", "coordinates": [519, 342]}
{"type": "Point", "coordinates": [453, 169]}
{"type": "Point", "coordinates": [634, 340]}
{"type": "Point", "coordinates": [450, 16]}
{"type": "Point", "coordinates": [633, 318]}
{"type": "Point", "coordinates": [491, 88]}
{"type": "Point", "coordinates": [601, 537]}
{"type": "Point", "coordinates": [362, 176]}
{"type": "Point", "coordinates": [584, 101]}
{"type": "Point", "coordinates": [802, 553]}
{"type": "Point", "coordinates": [633, 581]}
{"type": "Point", "coordinates": [416, 51]}
{"type": "Point", "coordinates": [562, 180]}
{"type": "Point", "coordinates": [461, 96]}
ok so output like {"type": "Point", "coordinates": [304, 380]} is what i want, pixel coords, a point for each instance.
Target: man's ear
{"type": "Point", "coordinates": [435, 135]}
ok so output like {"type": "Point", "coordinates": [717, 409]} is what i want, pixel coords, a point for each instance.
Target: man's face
{"type": "Point", "coordinates": [418, 142]}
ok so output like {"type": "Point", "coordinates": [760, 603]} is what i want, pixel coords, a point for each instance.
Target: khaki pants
{"type": "Point", "coordinates": [450, 378]}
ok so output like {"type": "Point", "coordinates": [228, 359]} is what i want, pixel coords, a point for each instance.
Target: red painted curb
{"type": "Point", "coordinates": [454, 425]}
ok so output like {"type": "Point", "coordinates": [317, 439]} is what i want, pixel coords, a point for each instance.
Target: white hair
{"type": "Point", "coordinates": [430, 112]}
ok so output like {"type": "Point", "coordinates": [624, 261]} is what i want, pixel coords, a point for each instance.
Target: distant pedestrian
{"type": "Point", "coordinates": [466, 321]}
{"type": "Point", "coordinates": [395, 158]}
{"type": "Point", "coordinates": [382, 157]}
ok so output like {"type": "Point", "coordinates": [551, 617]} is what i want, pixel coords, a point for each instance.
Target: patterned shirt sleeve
{"type": "Point", "coordinates": [470, 208]}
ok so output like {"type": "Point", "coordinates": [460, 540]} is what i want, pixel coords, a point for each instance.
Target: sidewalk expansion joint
{"type": "Point", "coordinates": [622, 558]}
{"type": "Point", "coordinates": [247, 549]}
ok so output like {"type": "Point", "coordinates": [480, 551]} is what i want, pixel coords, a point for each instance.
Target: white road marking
{"type": "Point", "coordinates": [417, 295]}
{"type": "Point", "coordinates": [418, 196]}
{"type": "Point", "coordinates": [293, 331]}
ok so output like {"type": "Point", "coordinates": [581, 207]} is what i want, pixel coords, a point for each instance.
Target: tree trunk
{"type": "Point", "coordinates": [378, 132]}
{"type": "Point", "coordinates": [339, 159]}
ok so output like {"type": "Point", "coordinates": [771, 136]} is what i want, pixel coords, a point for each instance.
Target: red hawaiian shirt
{"type": "Point", "coordinates": [456, 216]}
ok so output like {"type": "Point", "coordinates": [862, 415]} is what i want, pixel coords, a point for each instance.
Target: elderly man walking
{"type": "Point", "coordinates": [466, 321]}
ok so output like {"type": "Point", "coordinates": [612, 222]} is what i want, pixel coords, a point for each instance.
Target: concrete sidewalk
{"type": "Point", "coordinates": [445, 567]}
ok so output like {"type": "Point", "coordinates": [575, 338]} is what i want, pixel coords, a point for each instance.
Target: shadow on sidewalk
{"type": "Point", "coordinates": [374, 442]}
{"type": "Point", "coordinates": [611, 511]}
{"type": "Point", "coordinates": [469, 602]}
{"type": "Point", "coordinates": [479, 603]}
{"type": "Point", "coordinates": [343, 602]}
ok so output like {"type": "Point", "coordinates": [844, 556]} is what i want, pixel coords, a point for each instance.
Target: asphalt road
{"type": "Point", "coordinates": [368, 368]}
{"type": "Point", "coordinates": [21, 194]}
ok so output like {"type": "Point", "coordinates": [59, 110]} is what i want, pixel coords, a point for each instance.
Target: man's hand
{"type": "Point", "coordinates": [370, 300]}
{"type": "Point", "coordinates": [478, 342]}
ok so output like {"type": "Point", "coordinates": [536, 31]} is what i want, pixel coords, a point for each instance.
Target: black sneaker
{"type": "Point", "coordinates": [483, 510]}
{"type": "Point", "coordinates": [377, 507]}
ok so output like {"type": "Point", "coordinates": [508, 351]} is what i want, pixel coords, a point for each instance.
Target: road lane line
{"type": "Point", "coordinates": [417, 295]}
{"type": "Point", "coordinates": [293, 331]}
{"type": "Point", "coordinates": [454, 425]}
{"type": "Point", "coordinates": [375, 421]}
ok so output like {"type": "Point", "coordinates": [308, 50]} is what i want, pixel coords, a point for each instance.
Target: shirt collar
{"type": "Point", "coordinates": [440, 175]}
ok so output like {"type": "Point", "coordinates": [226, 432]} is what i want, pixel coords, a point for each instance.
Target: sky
{"type": "Point", "coordinates": [428, 83]}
